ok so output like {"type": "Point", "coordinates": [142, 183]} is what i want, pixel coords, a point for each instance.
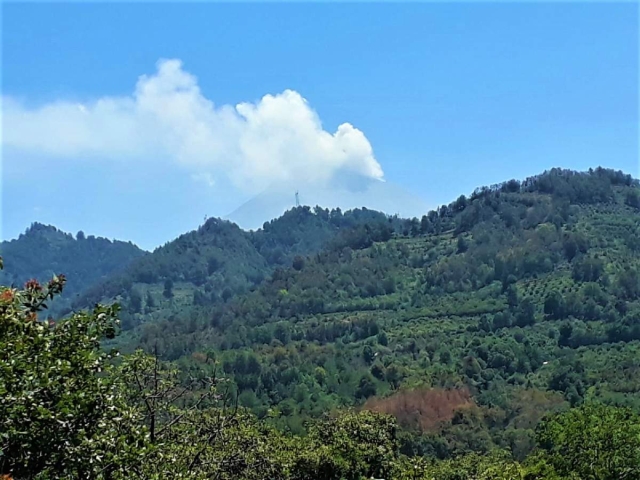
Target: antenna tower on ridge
{"type": "Point", "coordinates": [297, 199]}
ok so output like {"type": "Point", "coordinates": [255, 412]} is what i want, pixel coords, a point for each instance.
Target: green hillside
{"type": "Point", "coordinates": [468, 325]}
{"type": "Point", "coordinates": [208, 266]}
{"type": "Point", "coordinates": [497, 337]}
{"type": "Point", "coordinates": [43, 251]}
{"type": "Point", "coordinates": [71, 409]}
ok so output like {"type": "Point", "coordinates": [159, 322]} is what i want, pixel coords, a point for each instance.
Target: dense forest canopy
{"type": "Point", "coordinates": [520, 298]}
{"type": "Point", "coordinates": [219, 260]}
{"type": "Point", "coordinates": [71, 409]}
{"type": "Point", "coordinates": [43, 251]}
{"type": "Point", "coordinates": [500, 333]}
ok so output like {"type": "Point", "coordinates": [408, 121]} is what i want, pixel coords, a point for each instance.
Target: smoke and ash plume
{"type": "Point", "coordinates": [279, 138]}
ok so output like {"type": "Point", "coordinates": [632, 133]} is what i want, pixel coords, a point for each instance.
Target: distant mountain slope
{"type": "Point", "coordinates": [468, 324]}
{"type": "Point", "coordinates": [43, 251]}
{"type": "Point", "coordinates": [302, 231]}
{"type": "Point", "coordinates": [346, 193]}
{"type": "Point", "coordinates": [510, 302]}
{"type": "Point", "coordinates": [219, 260]}
{"type": "Point", "coordinates": [215, 259]}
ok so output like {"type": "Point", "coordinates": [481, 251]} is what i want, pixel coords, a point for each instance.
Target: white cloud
{"type": "Point", "coordinates": [278, 138]}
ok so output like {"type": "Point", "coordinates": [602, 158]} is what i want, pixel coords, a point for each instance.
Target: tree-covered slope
{"type": "Point", "coordinates": [467, 324]}
{"type": "Point", "coordinates": [208, 266]}
{"type": "Point", "coordinates": [43, 251]}
{"type": "Point", "coordinates": [516, 300]}
{"type": "Point", "coordinates": [72, 409]}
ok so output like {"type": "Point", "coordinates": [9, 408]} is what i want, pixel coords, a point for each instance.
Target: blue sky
{"type": "Point", "coordinates": [448, 96]}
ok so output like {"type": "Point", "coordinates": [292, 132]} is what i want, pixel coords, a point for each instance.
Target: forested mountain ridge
{"type": "Point", "coordinates": [43, 251]}
{"type": "Point", "coordinates": [209, 265]}
{"type": "Point", "coordinates": [516, 300]}
{"type": "Point", "coordinates": [507, 300]}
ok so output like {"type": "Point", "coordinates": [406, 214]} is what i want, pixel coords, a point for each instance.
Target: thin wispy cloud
{"type": "Point", "coordinates": [277, 138]}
